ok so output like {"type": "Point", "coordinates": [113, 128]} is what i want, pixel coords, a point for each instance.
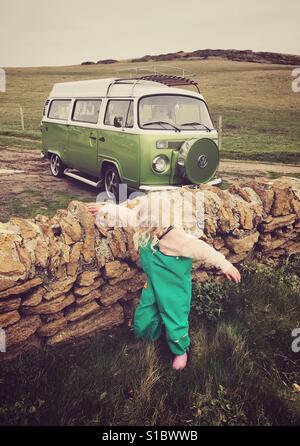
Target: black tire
{"type": "Point", "coordinates": [112, 182]}
{"type": "Point", "coordinates": [57, 167]}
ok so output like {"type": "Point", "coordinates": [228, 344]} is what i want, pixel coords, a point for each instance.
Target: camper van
{"type": "Point", "coordinates": [148, 133]}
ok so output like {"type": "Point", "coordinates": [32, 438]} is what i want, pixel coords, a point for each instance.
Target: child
{"type": "Point", "coordinates": [166, 255]}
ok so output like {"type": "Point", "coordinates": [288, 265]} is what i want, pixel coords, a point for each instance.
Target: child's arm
{"type": "Point", "coordinates": [178, 243]}
{"type": "Point", "coordinates": [111, 214]}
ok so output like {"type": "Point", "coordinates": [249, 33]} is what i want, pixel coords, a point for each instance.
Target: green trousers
{"type": "Point", "coordinates": [165, 299]}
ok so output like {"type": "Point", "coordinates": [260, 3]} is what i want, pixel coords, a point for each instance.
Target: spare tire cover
{"type": "Point", "coordinates": [199, 158]}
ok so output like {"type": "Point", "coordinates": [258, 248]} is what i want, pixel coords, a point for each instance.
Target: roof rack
{"type": "Point", "coordinates": [166, 79]}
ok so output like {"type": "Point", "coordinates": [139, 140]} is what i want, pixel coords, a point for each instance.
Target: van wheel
{"type": "Point", "coordinates": [112, 182]}
{"type": "Point", "coordinates": [57, 167]}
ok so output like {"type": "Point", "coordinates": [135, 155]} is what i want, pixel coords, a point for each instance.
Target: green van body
{"type": "Point", "coordinates": [91, 148]}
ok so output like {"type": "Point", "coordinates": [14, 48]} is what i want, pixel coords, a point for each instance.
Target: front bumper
{"type": "Point", "coordinates": [213, 182]}
{"type": "Point", "coordinates": [42, 156]}
{"type": "Point", "coordinates": [154, 188]}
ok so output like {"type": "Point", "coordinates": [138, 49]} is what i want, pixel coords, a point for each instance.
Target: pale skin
{"type": "Point", "coordinates": [94, 207]}
{"type": "Point", "coordinates": [231, 274]}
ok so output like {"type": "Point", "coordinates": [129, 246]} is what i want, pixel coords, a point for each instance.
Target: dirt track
{"type": "Point", "coordinates": [35, 190]}
{"type": "Point", "coordinates": [36, 175]}
{"type": "Point", "coordinates": [37, 178]}
{"type": "Point", "coordinates": [256, 168]}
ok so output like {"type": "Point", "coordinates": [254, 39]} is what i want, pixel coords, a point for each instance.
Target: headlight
{"type": "Point", "coordinates": [161, 144]}
{"type": "Point", "coordinates": [160, 163]}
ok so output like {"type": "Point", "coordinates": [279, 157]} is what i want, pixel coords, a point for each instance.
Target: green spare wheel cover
{"type": "Point", "coordinates": [200, 158]}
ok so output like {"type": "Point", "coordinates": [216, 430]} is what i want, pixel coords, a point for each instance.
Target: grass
{"type": "Point", "coordinates": [25, 139]}
{"type": "Point", "coordinates": [240, 372]}
{"type": "Point", "coordinates": [274, 175]}
{"type": "Point", "coordinates": [260, 112]}
{"type": "Point", "coordinates": [29, 203]}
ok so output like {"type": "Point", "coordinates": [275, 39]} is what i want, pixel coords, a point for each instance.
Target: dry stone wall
{"type": "Point", "coordinates": [64, 278]}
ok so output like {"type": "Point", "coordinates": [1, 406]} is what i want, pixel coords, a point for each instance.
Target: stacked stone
{"type": "Point", "coordinates": [64, 278]}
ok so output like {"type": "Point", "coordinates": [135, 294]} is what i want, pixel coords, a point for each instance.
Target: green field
{"type": "Point", "coordinates": [261, 114]}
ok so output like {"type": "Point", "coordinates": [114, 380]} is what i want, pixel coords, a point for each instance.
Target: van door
{"type": "Point", "coordinates": [55, 128]}
{"type": "Point", "coordinates": [118, 141]}
{"type": "Point", "coordinates": [83, 136]}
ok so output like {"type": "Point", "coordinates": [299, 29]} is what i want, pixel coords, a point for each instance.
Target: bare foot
{"type": "Point", "coordinates": [180, 361]}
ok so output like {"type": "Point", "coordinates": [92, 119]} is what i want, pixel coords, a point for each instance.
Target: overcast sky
{"type": "Point", "coordinates": [67, 32]}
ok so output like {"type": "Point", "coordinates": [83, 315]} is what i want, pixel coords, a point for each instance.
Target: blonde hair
{"type": "Point", "coordinates": [158, 210]}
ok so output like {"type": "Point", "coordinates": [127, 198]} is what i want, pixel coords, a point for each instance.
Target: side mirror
{"type": "Point", "coordinates": [118, 121]}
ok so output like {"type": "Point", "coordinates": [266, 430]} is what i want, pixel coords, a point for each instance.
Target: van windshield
{"type": "Point", "coordinates": [174, 112]}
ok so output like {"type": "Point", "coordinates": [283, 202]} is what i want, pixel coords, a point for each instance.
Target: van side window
{"type": "Point", "coordinates": [120, 111]}
{"type": "Point", "coordinates": [86, 110]}
{"type": "Point", "coordinates": [129, 120]}
{"type": "Point", "coordinates": [59, 109]}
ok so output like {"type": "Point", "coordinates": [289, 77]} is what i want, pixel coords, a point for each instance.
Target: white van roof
{"type": "Point", "coordinates": [113, 87]}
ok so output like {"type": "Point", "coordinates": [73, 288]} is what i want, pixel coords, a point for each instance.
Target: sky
{"type": "Point", "coordinates": [68, 32]}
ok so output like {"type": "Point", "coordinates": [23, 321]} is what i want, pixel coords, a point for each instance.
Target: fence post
{"type": "Point", "coordinates": [220, 129]}
{"type": "Point", "coordinates": [22, 118]}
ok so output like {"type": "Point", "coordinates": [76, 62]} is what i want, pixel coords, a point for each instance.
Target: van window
{"type": "Point", "coordinates": [129, 121]}
{"type": "Point", "coordinates": [59, 109]}
{"type": "Point", "coordinates": [161, 112]}
{"type": "Point", "coordinates": [119, 110]}
{"type": "Point", "coordinates": [86, 110]}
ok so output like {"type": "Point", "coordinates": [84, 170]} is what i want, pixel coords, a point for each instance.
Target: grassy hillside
{"type": "Point", "coordinates": [260, 112]}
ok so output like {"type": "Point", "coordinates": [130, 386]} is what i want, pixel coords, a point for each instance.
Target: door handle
{"type": "Point", "coordinates": [102, 139]}
{"type": "Point", "coordinates": [93, 138]}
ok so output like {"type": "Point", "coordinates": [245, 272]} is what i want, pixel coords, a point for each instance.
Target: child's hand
{"type": "Point", "coordinates": [233, 274]}
{"type": "Point", "coordinates": [94, 207]}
